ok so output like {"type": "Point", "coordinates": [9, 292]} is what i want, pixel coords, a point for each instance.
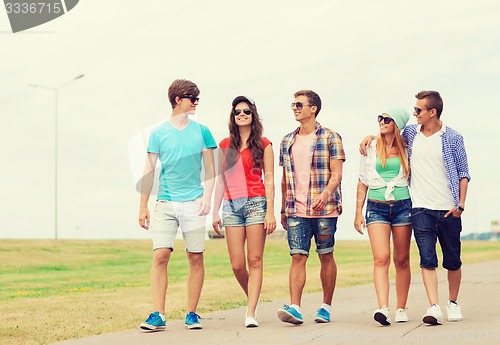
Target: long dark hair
{"type": "Point", "coordinates": [254, 143]}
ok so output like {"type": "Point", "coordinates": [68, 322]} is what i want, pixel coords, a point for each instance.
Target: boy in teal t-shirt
{"type": "Point", "coordinates": [181, 145]}
{"type": "Point", "coordinates": [180, 157]}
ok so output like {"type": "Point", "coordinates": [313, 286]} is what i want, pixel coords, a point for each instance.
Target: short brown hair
{"type": "Point", "coordinates": [312, 97]}
{"type": "Point", "coordinates": [182, 87]}
{"type": "Point", "coordinates": [434, 100]}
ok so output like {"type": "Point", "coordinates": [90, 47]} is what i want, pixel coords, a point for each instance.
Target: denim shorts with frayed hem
{"type": "Point", "coordinates": [394, 213]}
{"type": "Point", "coordinates": [430, 225]}
{"type": "Point", "coordinates": [244, 211]}
{"type": "Point", "coordinates": [301, 230]}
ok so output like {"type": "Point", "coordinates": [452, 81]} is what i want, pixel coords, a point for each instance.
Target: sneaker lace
{"type": "Point", "coordinates": [193, 317]}
{"type": "Point", "coordinates": [150, 317]}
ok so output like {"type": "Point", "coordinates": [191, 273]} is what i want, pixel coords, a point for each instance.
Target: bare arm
{"type": "Point", "coordinates": [146, 187]}
{"type": "Point", "coordinates": [218, 194]}
{"type": "Point", "coordinates": [462, 194]}
{"type": "Point", "coordinates": [269, 220]}
{"type": "Point", "coordinates": [359, 220]}
{"type": "Point", "coordinates": [365, 143]}
{"type": "Point", "coordinates": [209, 165]}
{"type": "Point", "coordinates": [464, 185]}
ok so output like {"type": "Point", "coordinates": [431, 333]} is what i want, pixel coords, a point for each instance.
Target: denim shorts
{"type": "Point", "coordinates": [301, 230]}
{"type": "Point", "coordinates": [169, 216]}
{"type": "Point", "coordinates": [395, 213]}
{"type": "Point", "coordinates": [244, 211]}
{"type": "Point", "coordinates": [429, 225]}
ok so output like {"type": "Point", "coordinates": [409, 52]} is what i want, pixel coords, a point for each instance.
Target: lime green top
{"type": "Point", "coordinates": [391, 170]}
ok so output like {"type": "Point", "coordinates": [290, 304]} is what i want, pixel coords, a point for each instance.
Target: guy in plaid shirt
{"type": "Point", "coordinates": [312, 157]}
{"type": "Point", "coordinates": [439, 181]}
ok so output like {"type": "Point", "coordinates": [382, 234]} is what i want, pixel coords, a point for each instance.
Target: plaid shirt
{"type": "Point", "coordinates": [326, 145]}
{"type": "Point", "coordinates": [454, 154]}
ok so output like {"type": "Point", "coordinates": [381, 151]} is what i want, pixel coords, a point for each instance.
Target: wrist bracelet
{"type": "Point", "coordinates": [461, 208]}
{"type": "Point", "coordinates": [282, 211]}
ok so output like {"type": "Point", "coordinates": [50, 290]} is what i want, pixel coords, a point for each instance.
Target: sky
{"type": "Point", "coordinates": [361, 57]}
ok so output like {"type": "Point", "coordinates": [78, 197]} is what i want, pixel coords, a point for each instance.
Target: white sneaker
{"type": "Point", "coordinates": [251, 322]}
{"type": "Point", "coordinates": [454, 312]}
{"type": "Point", "coordinates": [434, 316]}
{"type": "Point", "coordinates": [381, 315]}
{"type": "Point", "coordinates": [401, 315]}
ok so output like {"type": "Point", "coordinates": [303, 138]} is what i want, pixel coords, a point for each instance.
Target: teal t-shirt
{"type": "Point", "coordinates": [391, 170]}
{"type": "Point", "coordinates": [180, 154]}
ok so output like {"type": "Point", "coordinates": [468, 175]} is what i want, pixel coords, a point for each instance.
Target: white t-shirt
{"type": "Point", "coordinates": [429, 179]}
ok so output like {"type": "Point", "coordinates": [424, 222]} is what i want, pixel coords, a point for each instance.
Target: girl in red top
{"type": "Point", "coordinates": [248, 208]}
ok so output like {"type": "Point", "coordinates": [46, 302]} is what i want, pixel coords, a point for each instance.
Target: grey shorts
{"type": "Point", "coordinates": [169, 216]}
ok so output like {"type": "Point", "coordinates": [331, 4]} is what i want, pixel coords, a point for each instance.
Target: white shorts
{"type": "Point", "coordinates": [169, 216]}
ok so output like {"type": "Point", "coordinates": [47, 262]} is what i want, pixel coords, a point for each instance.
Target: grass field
{"type": "Point", "coordinates": [56, 290]}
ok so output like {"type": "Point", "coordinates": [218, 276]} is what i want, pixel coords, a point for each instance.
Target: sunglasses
{"type": "Point", "coordinates": [300, 105]}
{"type": "Point", "coordinates": [246, 111]}
{"type": "Point", "coordinates": [418, 110]}
{"type": "Point", "coordinates": [386, 120]}
{"type": "Point", "coordinates": [192, 98]}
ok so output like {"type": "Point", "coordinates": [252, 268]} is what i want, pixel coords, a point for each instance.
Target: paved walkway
{"type": "Point", "coordinates": [352, 321]}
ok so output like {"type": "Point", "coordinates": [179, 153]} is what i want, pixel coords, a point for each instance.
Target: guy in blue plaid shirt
{"type": "Point", "coordinates": [439, 181]}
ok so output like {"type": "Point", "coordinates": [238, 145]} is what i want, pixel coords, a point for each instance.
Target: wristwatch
{"type": "Point", "coordinates": [461, 208]}
{"type": "Point", "coordinates": [282, 211]}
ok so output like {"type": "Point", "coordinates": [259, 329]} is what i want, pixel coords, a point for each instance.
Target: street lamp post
{"type": "Point", "coordinates": [56, 105]}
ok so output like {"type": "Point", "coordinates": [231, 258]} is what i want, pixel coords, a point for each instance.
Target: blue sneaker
{"type": "Point", "coordinates": [291, 315]}
{"type": "Point", "coordinates": [193, 321]}
{"type": "Point", "coordinates": [154, 322]}
{"type": "Point", "coordinates": [323, 316]}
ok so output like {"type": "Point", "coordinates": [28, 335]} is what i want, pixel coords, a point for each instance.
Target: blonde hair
{"type": "Point", "coordinates": [401, 146]}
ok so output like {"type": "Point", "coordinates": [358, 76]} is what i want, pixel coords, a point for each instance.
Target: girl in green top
{"type": "Point", "coordinates": [383, 177]}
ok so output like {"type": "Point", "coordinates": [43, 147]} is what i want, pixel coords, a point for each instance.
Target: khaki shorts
{"type": "Point", "coordinates": [169, 216]}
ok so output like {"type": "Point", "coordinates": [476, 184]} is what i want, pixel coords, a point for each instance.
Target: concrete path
{"type": "Point", "coordinates": [352, 321]}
